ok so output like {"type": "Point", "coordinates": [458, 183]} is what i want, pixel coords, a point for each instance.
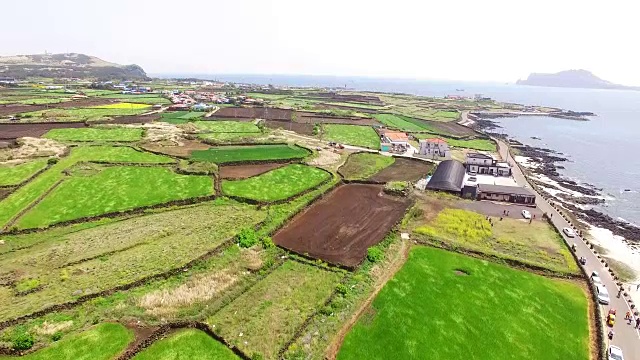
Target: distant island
{"type": "Point", "coordinates": [68, 65]}
{"type": "Point", "coordinates": [572, 79]}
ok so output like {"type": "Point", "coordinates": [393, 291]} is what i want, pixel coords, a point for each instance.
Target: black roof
{"type": "Point", "coordinates": [448, 176]}
{"type": "Point", "coordinates": [509, 190]}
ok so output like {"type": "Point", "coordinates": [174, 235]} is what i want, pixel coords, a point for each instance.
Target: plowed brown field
{"type": "Point", "coordinates": [403, 170]}
{"type": "Point", "coordinates": [245, 171]}
{"type": "Point", "coordinates": [341, 227]}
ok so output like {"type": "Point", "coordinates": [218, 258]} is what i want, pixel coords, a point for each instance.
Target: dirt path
{"type": "Point", "coordinates": [392, 268]}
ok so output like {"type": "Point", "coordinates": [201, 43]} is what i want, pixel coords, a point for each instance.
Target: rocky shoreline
{"type": "Point", "coordinates": [544, 163]}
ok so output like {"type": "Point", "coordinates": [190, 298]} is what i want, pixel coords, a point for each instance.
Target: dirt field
{"type": "Point", "coordinates": [305, 129]}
{"type": "Point", "coordinates": [9, 109]}
{"type": "Point", "coordinates": [341, 227]}
{"type": "Point", "coordinates": [13, 131]}
{"type": "Point", "coordinates": [452, 128]}
{"type": "Point", "coordinates": [134, 119]}
{"type": "Point", "coordinates": [172, 149]}
{"type": "Point", "coordinates": [253, 113]}
{"type": "Point", "coordinates": [4, 193]}
{"type": "Point", "coordinates": [245, 171]}
{"type": "Point", "coordinates": [403, 170]}
{"type": "Point", "coordinates": [329, 106]}
{"type": "Point", "coordinates": [312, 118]}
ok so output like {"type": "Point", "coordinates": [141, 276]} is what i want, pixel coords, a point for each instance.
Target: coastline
{"type": "Point", "coordinates": [615, 239]}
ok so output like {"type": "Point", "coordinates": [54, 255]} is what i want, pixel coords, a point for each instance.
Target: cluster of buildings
{"type": "Point", "coordinates": [480, 177]}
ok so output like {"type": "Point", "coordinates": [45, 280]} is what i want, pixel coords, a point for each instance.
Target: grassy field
{"type": "Point", "coordinates": [227, 126]}
{"type": "Point", "coordinates": [356, 105]}
{"type": "Point", "coordinates": [103, 342]}
{"type": "Point", "coordinates": [188, 344]}
{"type": "Point", "coordinates": [236, 137]}
{"type": "Point", "coordinates": [227, 154]}
{"type": "Point", "coordinates": [476, 144]}
{"type": "Point", "coordinates": [95, 134]}
{"type": "Point", "coordinates": [355, 135]}
{"type": "Point", "coordinates": [277, 184]}
{"type": "Point", "coordinates": [432, 310]}
{"type": "Point", "coordinates": [181, 117]}
{"type": "Point", "coordinates": [398, 122]}
{"type": "Point", "coordinates": [361, 166]}
{"type": "Point", "coordinates": [112, 189]}
{"type": "Point", "coordinates": [15, 174]}
{"type": "Point", "coordinates": [267, 96]}
{"type": "Point", "coordinates": [24, 196]}
{"type": "Point", "coordinates": [91, 257]}
{"type": "Point", "coordinates": [270, 312]}
{"type": "Point", "coordinates": [536, 243]}
{"type": "Point", "coordinates": [83, 114]}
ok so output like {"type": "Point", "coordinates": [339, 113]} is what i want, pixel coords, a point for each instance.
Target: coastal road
{"type": "Point", "coordinates": [626, 337]}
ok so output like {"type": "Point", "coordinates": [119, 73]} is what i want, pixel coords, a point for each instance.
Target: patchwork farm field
{"type": "Point", "coordinates": [230, 154]}
{"type": "Point", "coordinates": [86, 114]}
{"type": "Point", "coordinates": [269, 314]}
{"type": "Point", "coordinates": [95, 134]}
{"type": "Point", "coordinates": [535, 244]}
{"type": "Point", "coordinates": [188, 344]}
{"type": "Point", "coordinates": [11, 175]}
{"type": "Point", "coordinates": [61, 264]}
{"type": "Point", "coordinates": [277, 184]}
{"type": "Point", "coordinates": [443, 305]}
{"type": "Point", "coordinates": [102, 342]}
{"type": "Point", "coordinates": [12, 205]}
{"type": "Point", "coordinates": [343, 225]}
{"type": "Point", "coordinates": [222, 126]}
{"type": "Point", "coordinates": [245, 171]}
{"type": "Point", "coordinates": [403, 170]}
{"type": "Point", "coordinates": [112, 189]}
{"type": "Point", "coordinates": [181, 117]}
{"type": "Point", "coordinates": [360, 166]}
{"type": "Point", "coordinates": [355, 135]}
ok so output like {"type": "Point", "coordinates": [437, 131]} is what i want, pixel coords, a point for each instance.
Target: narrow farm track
{"type": "Point", "coordinates": [400, 257]}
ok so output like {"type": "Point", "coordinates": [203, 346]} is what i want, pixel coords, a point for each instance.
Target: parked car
{"type": "Point", "coordinates": [526, 214]}
{"type": "Point", "coordinates": [615, 353]}
{"type": "Point", "coordinates": [596, 278]}
{"type": "Point", "coordinates": [603, 295]}
{"type": "Point", "coordinates": [472, 178]}
{"type": "Point", "coordinates": [569, 232]}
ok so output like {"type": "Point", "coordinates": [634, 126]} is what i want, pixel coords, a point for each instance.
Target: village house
{"type": "Point", "coordinates": [434, 148]}
{"type": "Point", "coordinates": [393, 141]}
{"type": "Point", "coordinates": [513, 194]}
{"type": "Point", "coordinates": [479, 163]}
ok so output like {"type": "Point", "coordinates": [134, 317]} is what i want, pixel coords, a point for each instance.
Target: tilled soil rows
{"type": "Point", "coordinates": [10, 131]}
{"type": "Point", "coordinates": [253, 113]}
{"type": "Point", "coordinates": [246, 171]}
{"type": "Point", "coordinates": [132, 119]}
{"type": "Point", "coordinates": [452, 128]}
{"type": "Point", "coordinates": [403, 170]}
{"type": "Point", "coordinates": [305, 129]}
{"type": "Point", "coordinates": [341, 227]}
{"type": "Point", "coordinates": [313, 118]}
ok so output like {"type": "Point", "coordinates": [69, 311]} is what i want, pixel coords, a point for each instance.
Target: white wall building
{"type": "Point", "coordinates": [435, 149]}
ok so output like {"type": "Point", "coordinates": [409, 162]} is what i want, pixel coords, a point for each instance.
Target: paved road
{"type": "Point", "coordinates": [626, 337]}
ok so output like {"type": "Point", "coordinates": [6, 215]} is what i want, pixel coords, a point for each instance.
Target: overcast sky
{"type": "Point", "coordinates": [479, 40]}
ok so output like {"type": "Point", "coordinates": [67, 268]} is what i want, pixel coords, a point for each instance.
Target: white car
{"type": "Point", "coordinates": [596, 278]}
{"type": "Point", "coordinates": [615, 353]}
{"type": "Point", "coordinates": [569, 232]}
{"type": "Point", "coordinates": [603, 294]}
{"type": "Point", "coordinates": [526, 214]}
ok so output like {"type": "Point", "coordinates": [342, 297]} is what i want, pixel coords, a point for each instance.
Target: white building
{"type": "Point", "coordinates": [434, 149]}
{"type": "Point", "coordinates": [479, 163]}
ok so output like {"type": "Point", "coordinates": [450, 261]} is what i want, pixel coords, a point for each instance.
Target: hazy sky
{"type": "Point", "coordinates": [461, 39]}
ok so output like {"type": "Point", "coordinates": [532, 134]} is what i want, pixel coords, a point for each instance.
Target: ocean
{"type": "Point", "coordinates": [604, 151]}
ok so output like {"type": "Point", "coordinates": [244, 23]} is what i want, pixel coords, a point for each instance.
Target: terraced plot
{"type": "Point", "coordinates": [276, 184]}
{"type": "Point", "coordinates": [26, 195]}
{"type": "Point", "coordinates": [15, 174]}
{"type": "Point", "coordinates": [189, 344]}
{"type": "Point", "coordinates": [355, 135]}
{"type": "Point", "coordinates": [269, 314]}
{"type": "Point", "coordinates": [84, 114]}
{"type": "Point", "coordinates": [103, 342]}
{"type": "Point", "coordinates": [88, 258]}
{"type": "Point", "coordinates": [117, 188]}
{"type": "Point", "coordinates": [95, 134]}
{"type": "Point", "coordinates": [231, 154]}
{"type": "Point", "coordinates": [227, 126]}
{"type": "Point", "coordinates": [361, 166]}
{"type": "Point", "coordinates": [443, 305]}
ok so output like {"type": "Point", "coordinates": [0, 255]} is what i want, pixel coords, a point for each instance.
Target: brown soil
{"type": "Point", "coordinates": [344, 107]}
{"type": "Point", "coordinates": [341, 227]}
{"type": "Point", "coordinates": [245, 171]}
{"type": "Point", "coordinates": [313, 118]}
{"type": "Point", "coordinates": [9, 109]}
{"type": "Point", "coordinates": [305, 129]}
{"type": "Point", "coordinates": [403, 170]}
{"type": "Point", "coordinates": [366, 99]}
{"type": "Point", "coordinates": [10, 131]}
{"type": "Point", "coordinates": [4, 192]}
{"type": "Point", "coordinates": [253, 113]}
{"type": "Point", "coordinates": [173, 149]}
{"type": "Point", "coordinates": [134, 119]}
{"type": "Point", "coordinates": [452, 128]}
{"type": "Point", "coordinates": [141, 332]}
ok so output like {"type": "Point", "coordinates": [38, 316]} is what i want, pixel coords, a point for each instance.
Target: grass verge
{"type": "Point", "coordinates": [361, 166]}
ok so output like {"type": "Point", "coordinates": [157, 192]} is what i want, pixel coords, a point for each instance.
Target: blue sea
{"type": "Point", "coordinates": [604, 151]}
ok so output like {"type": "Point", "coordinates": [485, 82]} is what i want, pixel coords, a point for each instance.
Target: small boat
{"type": "Point", "coordinates": [627, 190]}
{"type": "Point", "coordinates": [459, 89]}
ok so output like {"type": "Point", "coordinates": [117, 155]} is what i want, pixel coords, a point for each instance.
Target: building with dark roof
{"type": "Point", "coordinates": [449, 176]}
{"type": "Point", "coordinates": [514, 194]}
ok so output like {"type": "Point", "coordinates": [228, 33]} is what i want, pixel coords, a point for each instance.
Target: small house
{"type": "Point", "coordinates": [513, 194]}
{"type": "Point", "coordinates": [485, 164]}
{"type": "Point", "coordinates": [395, 138]}
{"type": "Point", "coordinates": [434, 148]}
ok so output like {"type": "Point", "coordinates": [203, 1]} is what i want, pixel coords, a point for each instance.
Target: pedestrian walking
{"type": "Point", "coordinates": [638, 287]}
{"type": "Point", "coordinates": [637, 322]}
{"type": "Point", "coordinates": [628, 317]}
{"type": "Point", "coordinates": [620, 291]}
{"type": "Point", "coordinates": [551, 217]}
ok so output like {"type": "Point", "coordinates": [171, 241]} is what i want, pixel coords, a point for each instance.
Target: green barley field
{"type": "Point", "coordinates": [443, 305]}
{"type": "Point", "coordinates": [188, 344]}
{"type": "Point", "coordinates": [354, 135]}
{"type": "Point", "coordinates": [226, 154]}
{"type": "Point", "coordinates": [95, 134]}
{"type": "Point", "coordinates": [15, 174]}
{"type": "Point", "coordinates": [361, 166]}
